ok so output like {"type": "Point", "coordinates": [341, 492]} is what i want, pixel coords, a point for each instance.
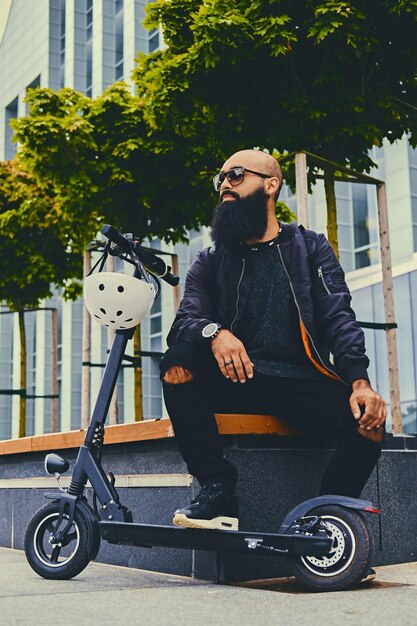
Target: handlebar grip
{"type": "Point", "coordinates": [153, 262]}
{"type": "Point", "coordinates": [171, 279]}
{"type": "Point", "coordinates": [157, 265]}
{"type": "Point", "coordinates": [113, 235]}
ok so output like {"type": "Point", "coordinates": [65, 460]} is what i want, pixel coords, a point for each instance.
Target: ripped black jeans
{"type": "Point", "coordinates": [319, 408]}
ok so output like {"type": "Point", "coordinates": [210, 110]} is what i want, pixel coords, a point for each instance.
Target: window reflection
{"type": "Point", "coordinates": [368, 304]}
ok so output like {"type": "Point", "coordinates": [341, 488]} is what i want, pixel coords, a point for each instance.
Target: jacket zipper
{"type": "Point", "coordinates": [299, 313]}
{"type": "Point", "coordinates": [320, 275]}
{"type": "Point", "coordinates": [238, 294]}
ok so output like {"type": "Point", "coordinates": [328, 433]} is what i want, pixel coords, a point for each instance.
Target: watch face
{"type": "Point", "coordinates": [209, 330]}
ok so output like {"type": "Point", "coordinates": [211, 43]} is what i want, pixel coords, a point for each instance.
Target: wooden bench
{"type": "Point", "coordinates": [228, 424]}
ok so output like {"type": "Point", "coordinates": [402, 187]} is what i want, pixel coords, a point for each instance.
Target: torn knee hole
{"type": "Point", "coordinates": [173, 377]}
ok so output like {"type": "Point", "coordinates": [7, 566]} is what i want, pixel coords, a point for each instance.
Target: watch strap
{"type": "Point", "coordinates": [216, 332]}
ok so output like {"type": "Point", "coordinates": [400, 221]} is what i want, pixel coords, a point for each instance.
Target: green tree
{"type": "Point", "coordinates": [100, 162]}
{"type": "Point", "coordinates": [104, 164]}
{"type": "Point", "coordinates": [94, 157]}
{"type": "Point", "coordinates": [65, 143]}
{"type": "Point", "coordinates": [328, 76]}
{"type": "Point", "coordinates": [37, 252]}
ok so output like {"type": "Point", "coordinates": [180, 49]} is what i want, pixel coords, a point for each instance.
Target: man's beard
{"type": "Point", "coordinates": [240, 220]}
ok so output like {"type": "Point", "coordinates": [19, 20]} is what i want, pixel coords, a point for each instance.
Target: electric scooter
{"type": "Point", "coordinates": [327, 540]}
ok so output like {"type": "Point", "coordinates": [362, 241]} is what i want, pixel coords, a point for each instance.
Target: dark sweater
{"type": "Point", "coordinates": [269, 328]}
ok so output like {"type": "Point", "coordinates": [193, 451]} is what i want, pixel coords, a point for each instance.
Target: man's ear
{"type": "Point", "coordinates": [272, 185]}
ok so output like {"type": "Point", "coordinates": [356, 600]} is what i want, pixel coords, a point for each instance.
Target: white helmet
{"type": "Point", "coordinates": [117, 300]}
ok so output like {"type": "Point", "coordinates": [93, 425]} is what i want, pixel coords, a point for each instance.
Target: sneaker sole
{"type": "Point", "coordinates": [218, 523]}
{"type": "Point", "coordinates": [368, 578]}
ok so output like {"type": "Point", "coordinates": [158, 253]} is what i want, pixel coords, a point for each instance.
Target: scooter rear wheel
{"type": "Point", "coordinates": [348, 561]}
{"type": "Point", "coordinates": [60, 561]}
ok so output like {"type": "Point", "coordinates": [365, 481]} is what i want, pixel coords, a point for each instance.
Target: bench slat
{"type": "Point", "coordinates": [228, 424]}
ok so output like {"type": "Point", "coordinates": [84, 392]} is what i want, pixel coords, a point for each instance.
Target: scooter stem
{"type": "Point", "coordinates": [108, 382]}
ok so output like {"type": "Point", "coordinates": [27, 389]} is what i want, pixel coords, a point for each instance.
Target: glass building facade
{"type": "Point", "coordinates": [88, 45]}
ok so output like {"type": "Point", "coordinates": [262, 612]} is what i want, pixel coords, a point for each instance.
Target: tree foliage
{"type": "Point", "coordinates": [85, 151]}
{"type": "Point", "coordinates": [102, 164]}
{"type": "Point", "coordinates": [332, 77]}
{"type": "Point", "coordinates": [36, 251]}
{"type": "Point", "coordinates": [328, 76]}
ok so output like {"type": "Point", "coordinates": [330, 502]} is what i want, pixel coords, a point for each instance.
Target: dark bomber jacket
{"type": "Point", "coordinates": [218, 284]}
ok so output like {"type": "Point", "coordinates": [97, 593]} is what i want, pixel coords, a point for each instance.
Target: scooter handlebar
{"type": "Point", "coordinates": [155, 264]}
{"type": "Point", "coordinates": [114, 236]}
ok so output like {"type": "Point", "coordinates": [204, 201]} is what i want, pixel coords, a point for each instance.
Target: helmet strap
{"type": "Point", "coordinates": [101, 260]}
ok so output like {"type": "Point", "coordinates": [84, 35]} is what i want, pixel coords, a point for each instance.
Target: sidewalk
{"type": "Point", "coordinates": [111, 595]}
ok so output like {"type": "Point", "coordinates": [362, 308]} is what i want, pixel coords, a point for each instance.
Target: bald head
{"type": "Point", "coordinates": [258, 161]}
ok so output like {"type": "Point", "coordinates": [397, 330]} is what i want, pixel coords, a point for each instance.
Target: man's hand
{"type": "Point", "coordinates": [177, 375]}
{"type": "Point", "coordinates": [367, 406]}
{"type": "Point", "coordinates": [231, 357]}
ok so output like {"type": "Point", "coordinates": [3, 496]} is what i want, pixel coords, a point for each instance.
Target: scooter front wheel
{"type": "Point", "coordinates": [60, 561]}
{"type": "Point", "coordinates": [349, 558]}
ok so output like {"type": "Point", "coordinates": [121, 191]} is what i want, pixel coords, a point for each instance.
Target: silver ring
{"type": "Point", "coordinates": [226, 363]}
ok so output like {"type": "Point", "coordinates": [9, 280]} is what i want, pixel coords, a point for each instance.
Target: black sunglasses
{"type": "Point", "coordinates": [235, 176]}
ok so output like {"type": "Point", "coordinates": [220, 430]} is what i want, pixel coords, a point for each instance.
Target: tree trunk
{"type": "Point", "coordinates": [23, 379]}
{"type": "Point", "coordinates": [331, 211]}
{"type": "Point", "coordinates": [301, 186]}
{"type": "Point", "coordinates": [137, 377]}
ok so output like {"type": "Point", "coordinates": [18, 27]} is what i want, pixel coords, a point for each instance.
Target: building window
{"type": "Point", "coordinates": [30, 324]}
{"type": "Point", "coordinates": [360, 226]}
{"type": "Point", "coordinates": [357, 226]}
{"type": "Point", "coordinates": [413, 189]}
{"type": "Point", "coordinates": [11, 114]}
{"type": "Point", "coordinates": [414, 214]}
{"type": "Point", "coordinates": [62, 44]}
{"type": "Point", "coordinates": [119, 40]}
{"type": "Point", "coordinates": [89, 48]}
{"type": "Point", "coordinates": [35, 83]}
{"type": "Point", "coordinates": [6, 371]}
{"type": "Point", "coordinates": [154, 40]}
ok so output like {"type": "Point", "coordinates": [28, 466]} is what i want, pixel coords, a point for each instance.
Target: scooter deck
{"type": "Point", "coordinates": [215, 540]}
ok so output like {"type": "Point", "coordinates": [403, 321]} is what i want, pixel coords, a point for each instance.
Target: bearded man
{"type": "Point", "coordinates": [262, 310]}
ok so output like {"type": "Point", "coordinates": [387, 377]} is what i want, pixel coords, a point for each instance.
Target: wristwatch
{"type": "Point", "coordinates": [211, 330]}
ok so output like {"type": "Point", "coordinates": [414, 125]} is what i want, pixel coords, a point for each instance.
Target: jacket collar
{"type": "Point", "coordinates": [287, 233]}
